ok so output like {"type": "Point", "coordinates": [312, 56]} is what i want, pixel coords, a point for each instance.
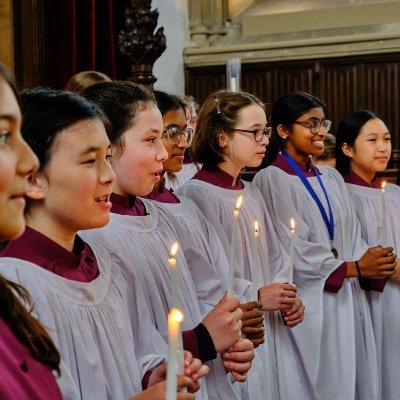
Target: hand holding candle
{"type": "Point", "coordinates": [174, 276]}
{"type": "Point", "coordinates": [255, 265]}
{"type": "Point", "coordinates": [291, 254]}
{"type": "Point", "coordinates": [232, 256]}
{"type": "Point", "coordinates": [384, 234]}
{"type": "Point", "coordinates": [175, 317]}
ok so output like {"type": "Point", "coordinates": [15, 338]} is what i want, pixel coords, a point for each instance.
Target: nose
{"type": "Point", "coordinates": [107, 174]}
{"type": "Point", "coordinates": [162, 153]}
{"type": "Point", "coordinates": [265, 141]}
{"type": "Point", "coordinates": [28, 163]}
{"type": "Point", "coordinates": [183, 143]}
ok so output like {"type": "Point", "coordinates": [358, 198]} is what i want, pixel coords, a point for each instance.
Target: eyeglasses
{"type": "Point", "coordinates": [174, 135]}
{"type": "Point", "coordinates": [314, 125]}
{"type": "Point", "coordinates": [258, 133]}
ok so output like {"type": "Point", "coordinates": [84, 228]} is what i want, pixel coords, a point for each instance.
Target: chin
{"type": "Point", "coordinates": [97, 223]}
{"type": "Point", "coordinates": [14, 231]}
{"type": "Point", "coordinates": [144, 191]}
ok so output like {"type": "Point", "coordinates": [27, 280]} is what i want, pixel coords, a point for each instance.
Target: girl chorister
{"type": "Point", "coordinates": [335, 343]}
{"type": "Point", "coordinates": [27, 354]}
{"type": "Point", "coordinates": [232, 133]}
{"type": "Point", "coordinates": [141, 235]}
{"type": "Point", "coordinates": [96, 316]}
{"type": "Point", "coordinates": [363, 150]}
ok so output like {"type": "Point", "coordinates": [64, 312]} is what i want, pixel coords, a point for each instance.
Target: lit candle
{"type": "Point", "coordinates": [175, 317]}
{"type": "Point", "coordinates": [232, 256]}
{"type": "Point", "coordinates": [173, 276]}
{"type": "Point", "coordinates": [384, 235]}
{"type": "Point", "coordinates": [292, 233]}
{"type": "Point", "coordinates": [233, 84]}
{"type": "Point", "coordinates": [255, 265]}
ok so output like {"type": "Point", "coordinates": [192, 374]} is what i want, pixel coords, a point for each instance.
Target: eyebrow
{"type": "Point", "coordinates": [88, 150]}
{"type": "Point", "coordinates": [8, 117]}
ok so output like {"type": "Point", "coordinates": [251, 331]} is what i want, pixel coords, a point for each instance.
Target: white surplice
{"type": "Point", "coordinates": [179, 178]}
{"type": "Point", "coordinates": [101, 328]}
{"type": "Point", "coordinates": [143, 244]}
{"type": "Point", "coordinates": [384, 306]}
{"type": "Point", "coordinates": [335, 343]}
{"type": "Point", "coordinates": [280, 376]}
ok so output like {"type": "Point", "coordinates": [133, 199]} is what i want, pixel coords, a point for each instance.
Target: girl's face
{"type": "Point", "coordinates": [300, 141]}
{"type": "Point", "coordinates": [242, 149]}
{"type": "Point", "coordinates": [176, 151]}
{"type": "Point", "coordinates": [17, 162]}
{"type": "Point", "coordinates": [139, 167]}
{"type": "Point", "coordinates": [371, 150]}
{"type": "Point", "coordinates": [76, 184]}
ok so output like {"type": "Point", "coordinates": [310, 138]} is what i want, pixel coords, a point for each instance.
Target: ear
{"type": "Point", "coordinates": [282, 131]}
{"type": "Point", "coordinates": [35, 186]}
{"type": "Point", "coordinates": [347, 150]}
{"type": "Point", "coordinates": [222, 139]}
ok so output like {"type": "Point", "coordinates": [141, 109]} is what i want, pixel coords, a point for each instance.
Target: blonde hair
{"type": "Point", "coordinates": [82, 80]}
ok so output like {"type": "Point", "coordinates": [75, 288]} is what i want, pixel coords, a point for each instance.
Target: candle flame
{"type": "Point", "coordinates": [174, 249]}
{"type": "Point", "coordinates": [383, 185]}
{"type": "Point", "coordinates": [176, 315]}
{"type": "Point", "coordinates": [256, 226]}
{"type": "Point", "coordinates": [292, 224]}
{"type": "Point", "coordinates": [239, 202]}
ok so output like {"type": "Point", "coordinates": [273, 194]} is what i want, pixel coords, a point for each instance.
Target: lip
{"type": "Point", "coordinates": [156, 175]}
{"type": "Point", "coordinates": [19, 197]}
{"type": "Point", "coordinates": [318, 143]}
{"type": "Point", "coordinates": [104, 202]}
{"type": "Point", "coordinates": [261, 154]}
{"type": "Point", "coordinates": [178, 156]}
{"type": "Point", "coordinates": [383, 159]}
{"type": "Point", "coordinates": [19, 200]}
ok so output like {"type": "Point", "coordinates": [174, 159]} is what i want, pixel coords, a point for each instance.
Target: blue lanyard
{"type": "Point", "coordinates": [329, 222]}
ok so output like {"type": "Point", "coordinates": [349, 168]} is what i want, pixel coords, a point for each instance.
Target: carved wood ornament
{"type": "Point", "coordinates": [139, 42]}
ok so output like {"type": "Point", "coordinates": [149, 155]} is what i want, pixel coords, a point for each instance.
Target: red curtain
{"type": "Point", "coordinates": [83, 35]}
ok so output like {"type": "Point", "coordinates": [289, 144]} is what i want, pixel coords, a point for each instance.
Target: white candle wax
{"type": "Point", "coordinates": [291, 254]}
{"type": "Point", "coordinates": [175, 318]}
{"type": "Point", "coordinates": [232, 255]}
{"type": "Point", "coordinates": [256, 264]}
{"type": "Point", "coordinates": [233, 84]}
{"type": "Point", "coordinates": [173, 276]}
{"type": "Point", "coordinates": [384, 234]}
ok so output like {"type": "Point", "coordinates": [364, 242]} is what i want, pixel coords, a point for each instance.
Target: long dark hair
{"type": "Point", "coordinates": [46, 113]}
{"type": "Point", "coordinates": [285, 111]}
{"type": "Point", "coordinates": [168, 102]}
{"type": "Point", "coordinates": [14, 299]}
{"type": "Point", "coordinates": [348, 130]}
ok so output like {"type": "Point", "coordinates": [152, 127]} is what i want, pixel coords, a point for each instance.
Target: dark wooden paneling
{"type": "Point", "coordinates": [260, 83]}
{"type": "Point", "coordinates": [339, 88]}
{"type": "Point", "coordinates": [345, 84]}
{"type": "Point", "coordinates": [293, 78]}
{"type": "Point", "coordinates": [381, 82]}
{"type": "Point", "coordinates": [200, 82]}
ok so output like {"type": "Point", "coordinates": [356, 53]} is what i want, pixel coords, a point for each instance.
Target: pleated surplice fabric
{"type": "Point", "coordinates": [204, 252]}
{"type": "Point", "coordinates": [270, 379]}
{"type": "Point", "coordinates": [101, 328]}
{"type": "Point", "coordinates": [208, 265]}
{"type": "Point", "coordinates": [177, 179]}
{"type": "Point", "coordinates": [384, 306]}
{"type": "Point", "coordinates": [143, 244]}
{"type": "Point", "coordinates": [335, 343]}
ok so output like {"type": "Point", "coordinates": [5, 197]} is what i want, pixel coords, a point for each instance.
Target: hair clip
{"type": "Point", "coordinates": [217, 105]}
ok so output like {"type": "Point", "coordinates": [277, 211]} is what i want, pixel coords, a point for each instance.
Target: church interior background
{"type": "Point", "coordinates": [345, 51]}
